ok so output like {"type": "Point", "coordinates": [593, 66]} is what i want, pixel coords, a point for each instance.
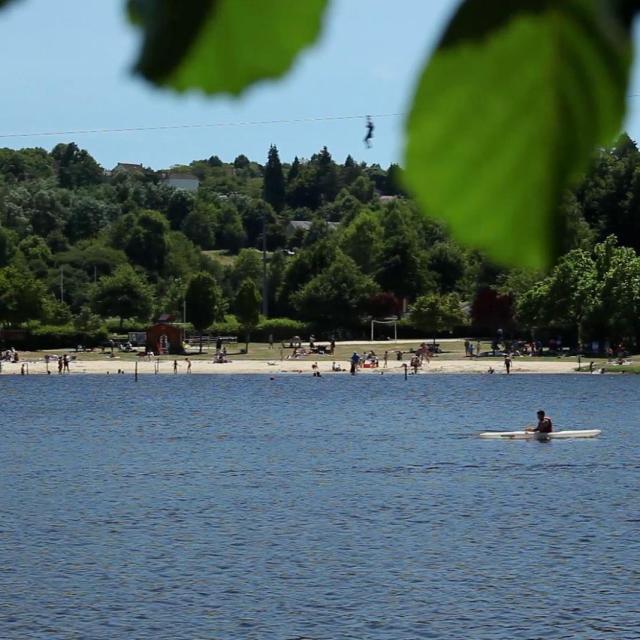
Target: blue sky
{"type": "Point", "coordinates": [65, 65]}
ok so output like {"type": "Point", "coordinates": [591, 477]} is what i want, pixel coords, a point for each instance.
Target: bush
{"type": "Point", "coordinates": [229, 327]}
{"type": "Point", "coordinates": [113, 325]}
{"type": "Point", "coordinates": [279, 328]}
{"type": "Point", "coordinates": [64, 336]}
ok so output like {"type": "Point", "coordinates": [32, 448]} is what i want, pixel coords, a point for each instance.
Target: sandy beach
{"type": "Point", "coordinates": [110, 366]}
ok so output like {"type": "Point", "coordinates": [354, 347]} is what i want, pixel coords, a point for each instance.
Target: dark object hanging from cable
{"type": "Point", "coordinates": [369, 136]}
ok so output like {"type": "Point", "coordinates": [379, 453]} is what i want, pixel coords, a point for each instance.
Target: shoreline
{"type": "Point", "coordinates": [297, 367]}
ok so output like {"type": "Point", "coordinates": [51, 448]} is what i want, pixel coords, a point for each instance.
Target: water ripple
{"type": "Point", "coordinates": [211, 507]}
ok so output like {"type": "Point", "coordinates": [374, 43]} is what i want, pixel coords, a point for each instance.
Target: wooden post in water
{"type": "Point", "coordinates": [136, 373]}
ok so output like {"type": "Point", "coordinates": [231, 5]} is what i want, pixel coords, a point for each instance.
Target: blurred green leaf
{"type": "Point", "coordinates": [222, 46]}
{"type": "Point", "coordinates": [508, 112]}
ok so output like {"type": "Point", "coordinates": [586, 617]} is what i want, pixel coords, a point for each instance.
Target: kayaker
{"type": "Point", "coordinates": [544, 423]}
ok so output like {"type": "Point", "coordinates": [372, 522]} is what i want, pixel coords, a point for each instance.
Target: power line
{"type": "Point", "coordinates": [247, 123]}
{"type": "Point", "coordinates": [207, 125]}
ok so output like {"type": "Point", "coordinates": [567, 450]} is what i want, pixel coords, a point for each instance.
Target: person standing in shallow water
{"type": "Point", "coordinates": [175, 366]}
{"type": "Point", "coordinates": [507, 363]}
{"type": "Point", "coordinates": [355, 361]}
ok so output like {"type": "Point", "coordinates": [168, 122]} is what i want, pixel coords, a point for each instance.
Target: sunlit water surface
{"type": "Point", "coordinates": [242, 507]}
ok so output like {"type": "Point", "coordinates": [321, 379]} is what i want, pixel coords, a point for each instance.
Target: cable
{"type": "Point", "coordinates": [211, 125]}
{"type": "Point", "coordinates": [248, 123]}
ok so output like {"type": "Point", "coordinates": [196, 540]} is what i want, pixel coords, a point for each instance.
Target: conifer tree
{"type": "Point", "coordinates": [274, 187]}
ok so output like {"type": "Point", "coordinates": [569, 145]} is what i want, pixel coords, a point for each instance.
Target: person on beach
{"type": "Point", "coordinates": [507, 363]}
{"type": "Point", "coordinates": [59, 364]}
{"type": "Point", "coordinates": [386, 358]}
{"type": "Point", "coordinates": [544, 424]}
{"type": "Point", "coordinates": [175, 366]}
{"type": "Point", "coordinates": [188, 365]}
{"type": "Point", "coordinates": [355, 361]}
{"type": "Point", "coordinates": [65, 363]}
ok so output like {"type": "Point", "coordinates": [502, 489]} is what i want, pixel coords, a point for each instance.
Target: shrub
{"type": "Point", "coordinates": [279, 328]}
{"type": "Point", "coordinates": [64, 336]}
{"type": "Point", "coordinates": [228, 327]}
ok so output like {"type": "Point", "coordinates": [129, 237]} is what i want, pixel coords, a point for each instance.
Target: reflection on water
{"type": "Point", "coordinates": [220, 507]}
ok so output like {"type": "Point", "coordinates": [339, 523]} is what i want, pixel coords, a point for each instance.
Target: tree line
{"type": "Point", "coordinates": [80, 245]}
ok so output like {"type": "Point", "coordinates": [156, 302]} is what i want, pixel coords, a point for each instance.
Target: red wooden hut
{"type": "Point", "coordinates": [165, 337]}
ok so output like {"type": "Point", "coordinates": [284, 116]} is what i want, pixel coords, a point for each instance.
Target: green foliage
{"type": "Point", "coordinates": [449, 265]}
{"type": "Point", "coordinates": [247, 305]}
{"type": "Point", "coordinates": [205, 47]}
{"type": "Point", "coordinates": [7, 246]}
{"type": "Point", "coordinates": [55, 312]}
{"type": "Point", "coordinates": [25, 164]}
{"type": "Point", "coordinates": [76, 168]}
{"type": "Point", "coordinates": [437, 313]}
{"type": "Point", "coordinates": [21, 296]}
{"type": "Point", "coordinates": [274, 184]}
{"type": "Point", "coordinates": [232, 234]}
{"type": "Point", "coordinates": [94, 258]}
{"type": "Point", "coordinates": [598, 291]}
{"type": "Point", "coordinates": [535, 85]}
{"type": "Point", "coordinates": [65, 336]}
{"type": "Point", "coordinates": [87, 216]}
{"type": "Point", "coordinates": [200, 227]}
{"type": "Point", "coordinates": [87, 321]}
{"type": "Point", "coordinates": [280, 328]}
{"type": "Point", "coordinates": [183, 258]}
{"type": "Point", "coordinates": [147, 244]}
{"type": "Point", "coordinates": [248, 266]}
{"type": "Point", "coordinates": [124, 294]}
{"type": "Point", "coordinates": [337, 296]}
{"type": "Point", "coordinates": [228, 326]}
{"type": "Point", "coordinates": [363, 189]}
{"type": "Point", "coordinates": [180, 205]}
{"type": "Point", "coordinates": [403, 267]}
{"type": "Point", "coordinates": [204, 301]}
{"type": "Point", "coordinates": [362, 240]}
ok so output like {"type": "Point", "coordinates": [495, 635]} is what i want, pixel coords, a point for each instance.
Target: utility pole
{"type": "Point", "coordinates": [265, 284]}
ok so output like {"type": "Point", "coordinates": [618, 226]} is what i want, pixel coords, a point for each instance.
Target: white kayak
{"type": "Point", "coordinates": [534, 435]}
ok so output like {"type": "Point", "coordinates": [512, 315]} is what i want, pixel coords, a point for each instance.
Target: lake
{"type": "Point", "coordinates": [186, 507]}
